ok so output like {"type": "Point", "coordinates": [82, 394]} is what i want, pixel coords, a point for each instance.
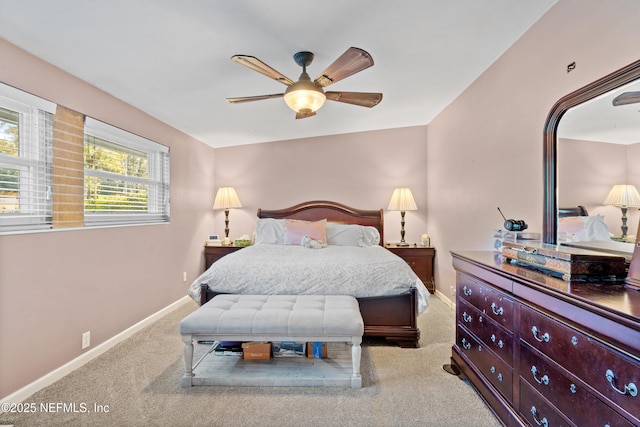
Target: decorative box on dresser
{"type": "Point", "coordinates": [420, 259]}
{"type": "Point", "coordinates": [214, 253]}
{"type": "Point", "coordinates": [544, 351]}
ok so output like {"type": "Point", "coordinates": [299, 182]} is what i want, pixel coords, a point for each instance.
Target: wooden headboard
{"type": "Point", "coordinates": [332, 212]}
{"type": "Point", "coordinates": [577, 211]}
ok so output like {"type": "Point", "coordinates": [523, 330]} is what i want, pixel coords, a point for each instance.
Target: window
{"type": "Point", "coordinates": [25, 160]}
{"type": "Point", "coordinates": [126, 177]}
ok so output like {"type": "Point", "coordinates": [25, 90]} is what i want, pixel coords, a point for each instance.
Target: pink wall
{"type": "Point", "coordinates": [56, 285]}
{"type": "Point", "coordinates": [359, 169]}
{"type": "Point", "coordinates": [485, 149]}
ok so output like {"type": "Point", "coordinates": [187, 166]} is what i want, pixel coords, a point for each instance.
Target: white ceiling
{"type": "Point", "coordinates": [171, 58]}
{"type": "Point", "coordinates": [598, 120]}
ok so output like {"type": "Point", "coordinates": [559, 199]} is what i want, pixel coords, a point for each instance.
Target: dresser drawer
{"type": "Point", "coordinates": [488, 363]}
{"type": "Point", "coordinates": [537, 410]}
{"type": "Point", "coordinates": [574, 400]}
{"type": "Point", "coordinates": [487, 330]}
{"type": "Point", "coordinates": [491, 302]}
{"type": "Point", "coordinates": [611, 373]}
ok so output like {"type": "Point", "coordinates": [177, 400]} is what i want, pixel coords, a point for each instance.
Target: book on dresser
{"type": "Point", "coordinates": [546, 351]}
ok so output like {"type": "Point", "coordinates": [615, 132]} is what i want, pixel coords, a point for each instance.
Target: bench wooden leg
{"type": "Point", "coordinates": [188, 361]}
{"type": "Point", "coordinates": [356, 354]}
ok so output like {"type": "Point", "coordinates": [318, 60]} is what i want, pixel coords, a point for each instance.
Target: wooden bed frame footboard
{"type": "Point", "coordinates": [389, 317]}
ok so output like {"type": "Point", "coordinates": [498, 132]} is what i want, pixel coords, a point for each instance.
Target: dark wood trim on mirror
{"type": "Point", "coordinates": [550, 204]}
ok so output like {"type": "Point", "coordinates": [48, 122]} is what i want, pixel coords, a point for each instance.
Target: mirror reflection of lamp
{"type": "Point", "coordinates": [402, 200]}
{"type": "Point", "coordinates": [226, 198]}
{"type": "Point", "coordinates": [623, 196]}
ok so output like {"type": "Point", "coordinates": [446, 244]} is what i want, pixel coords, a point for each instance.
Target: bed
{"type": "Point", "coordinates": [576, 228]}
{"type": "Point", "coordinates": [389, 310]}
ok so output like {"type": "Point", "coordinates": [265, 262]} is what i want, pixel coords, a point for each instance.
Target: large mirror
{"type": "Point", "coordinates": [590, 144]}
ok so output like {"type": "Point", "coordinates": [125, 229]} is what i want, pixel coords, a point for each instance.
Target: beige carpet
{"type": "Point", "coordinates": [137, 384]}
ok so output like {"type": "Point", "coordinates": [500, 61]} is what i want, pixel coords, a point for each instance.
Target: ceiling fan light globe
{"type": "Point", "coordinates": [304, 99]}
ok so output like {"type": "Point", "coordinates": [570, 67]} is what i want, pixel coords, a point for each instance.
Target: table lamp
{"type": "Point", "coordinates": [402, 200]}
{"type": "Point", "coordinates": [226, 198]}
{"type": "Point", "coordinates": [624, 196]}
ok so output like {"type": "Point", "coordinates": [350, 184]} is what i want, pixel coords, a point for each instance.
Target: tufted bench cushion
{"type": "Point", "coordinates": [229, 317]}
{"type": "Point", "coordinates": [282, 315]}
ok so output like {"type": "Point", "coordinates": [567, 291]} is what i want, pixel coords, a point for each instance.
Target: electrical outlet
{"type": "Point", "coordinates": [86, 339]}
{"type": "Point", "coordinates": [184, 276]}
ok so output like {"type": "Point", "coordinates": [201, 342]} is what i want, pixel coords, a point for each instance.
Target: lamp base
{"type": "Point", "coordinates": [403, 244]}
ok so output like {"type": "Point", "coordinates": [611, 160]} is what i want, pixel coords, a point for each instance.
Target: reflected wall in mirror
{"type": "Point", "coordinates": [590, 145]}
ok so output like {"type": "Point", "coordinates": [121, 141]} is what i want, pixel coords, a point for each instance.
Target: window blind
{"type": "Point", "coordinates": [126, 177]}
{"type": "Point", "coordinates": [26, 124]}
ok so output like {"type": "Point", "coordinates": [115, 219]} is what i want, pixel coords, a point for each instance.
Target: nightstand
{"type": "Point", "coordinates": [420, 259]}
{"type": "Point", "coordinates": [214, 253]}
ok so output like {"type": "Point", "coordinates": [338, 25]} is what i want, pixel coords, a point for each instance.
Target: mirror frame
{"type": "Point", "coordinates": [550, 151]}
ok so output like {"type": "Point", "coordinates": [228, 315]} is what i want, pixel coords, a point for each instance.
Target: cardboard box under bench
{"type": "Point", "coordinates": [256, 350]}
{"type": "Point", "coordinates": [569, 263]}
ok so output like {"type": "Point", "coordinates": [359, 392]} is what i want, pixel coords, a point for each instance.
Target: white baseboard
{"type": "Point", "coordinates": [84, 358]}
{"type": "Point", "coordinates": [445, 299]}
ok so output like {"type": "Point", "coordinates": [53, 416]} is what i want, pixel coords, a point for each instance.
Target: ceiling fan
{"type": "Point", "coordinates": [626, 98]}
{"type": "Point", "coordinates": [305, 97]}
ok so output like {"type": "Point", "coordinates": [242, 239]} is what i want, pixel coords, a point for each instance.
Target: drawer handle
{"type": "Point", "coordinates": [544, 338]}
{"type": "Point", "coordinates": [467, 318]}
{"type": "Point", "coordinates": [630, 388]}
{"type": "Point", "coordinates": [497, 311]}
{"type": "Point", "coordinates": [493, 371]}
{"type": "Point", "coordinates": [467, 291]}
{"type": "Point", "coordinates": [500, 343]}
{"type": "Point", "coordinates": [466, 344]}
{"type": "Point", "coordinates": [544, 380]}
{"type": "Point", "coordinates": [542, 422]}
{"type": "Point", "coordinates": [573, 389]}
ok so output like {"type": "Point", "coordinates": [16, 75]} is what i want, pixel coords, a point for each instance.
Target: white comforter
{"type": "Point", "coordinates": [296, 270]}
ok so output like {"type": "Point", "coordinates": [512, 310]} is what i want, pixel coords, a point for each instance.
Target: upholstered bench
{"type": "Point", "coordinates": [300, 318]}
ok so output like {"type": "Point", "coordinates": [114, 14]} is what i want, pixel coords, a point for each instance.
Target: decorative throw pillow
{"type": "Point", "coordinates": [582, 228]}
{"type": "Point", "coordinates": [295, 230]}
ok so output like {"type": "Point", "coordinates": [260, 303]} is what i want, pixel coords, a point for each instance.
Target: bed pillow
{"type": "Point", "coordinates": [269, 231]}
{"type": "Point", "coordinates": [371, 236]}
{"type": "Point", "coordinates": [295, 230]}
{"type": "Point", "coordinates": [352, 235]}
{"type": "Point", "coordinates": [582, 228]}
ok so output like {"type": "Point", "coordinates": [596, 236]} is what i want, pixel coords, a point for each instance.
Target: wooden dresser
{"type": "Point", "coordinates": [545, 352]}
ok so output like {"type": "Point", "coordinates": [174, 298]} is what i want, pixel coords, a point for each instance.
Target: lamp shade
{"type": "Point", "coordinates": [402, 200]}
{"type": "Point", "coordinates": [623, 195]}
{"type": "Point", "coordinates": [226, 198]}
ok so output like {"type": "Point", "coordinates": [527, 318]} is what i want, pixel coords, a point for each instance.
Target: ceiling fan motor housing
{"type": "Point", "coordinates": [303, 59]}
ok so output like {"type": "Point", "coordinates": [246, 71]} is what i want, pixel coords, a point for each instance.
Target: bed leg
{"type": "Point", "coordinates": [356, 354]}
{"type": "Point", "coordinates": [188, 361]}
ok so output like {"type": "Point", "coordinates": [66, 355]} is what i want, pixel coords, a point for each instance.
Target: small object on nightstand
{"type": "Point", "coordinates": [213, 242]}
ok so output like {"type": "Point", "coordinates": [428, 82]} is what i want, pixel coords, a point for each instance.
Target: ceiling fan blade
{"type": "Point", "coordinates": [352, 61]}
{"type": "Point", "coordinates": [363, 99]}
{"type": "Point", "coordinates": [256, 65]}
{"type": "Point", "coordinates": [253, 98]}
{"type": "Point", "coordinates": [626, 98]}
